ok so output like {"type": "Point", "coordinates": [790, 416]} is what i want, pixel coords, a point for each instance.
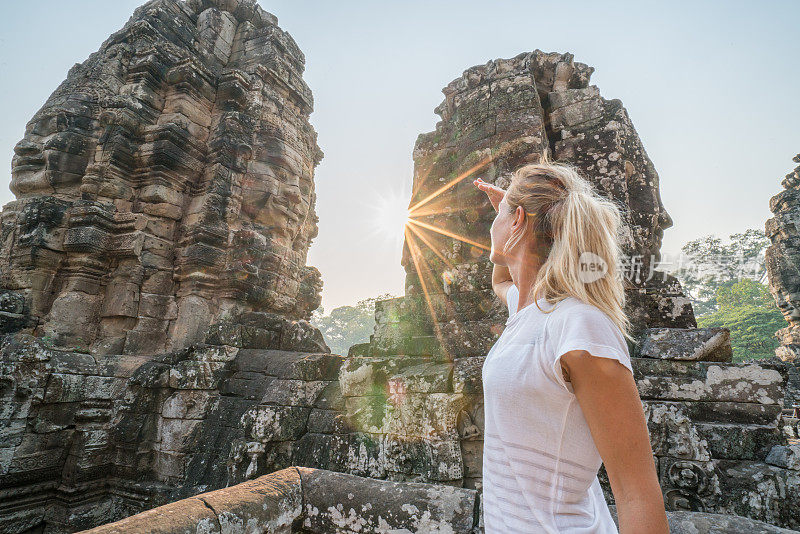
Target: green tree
{"type": "Point", "coordinates": [346, 326]}
{"type": "Point", "coordinates": [708, 263]}
{"type": "Point", "coordinates": [748, 310]}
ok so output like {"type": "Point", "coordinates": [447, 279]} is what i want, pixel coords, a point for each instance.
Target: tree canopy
{"type": "Point", "coordinates": [346, 326]}
{"type": "Point", "coordinates": [707, 263]}
{"type": "Point", "coordinates": [726, 284]}
{"type": "Point", "coordinates": [747, 309]}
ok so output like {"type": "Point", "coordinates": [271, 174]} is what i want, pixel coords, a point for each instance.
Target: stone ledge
{"type": "Point", "coordinates": [689, 344]}
{"type": "Point", "coordinates": [681, 522]}
{"type": "Point", "coordinates": [318, 501]}
{"type": "Point", "coordinates": [268, 504]}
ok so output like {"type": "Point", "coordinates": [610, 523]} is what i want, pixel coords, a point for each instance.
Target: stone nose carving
{"type": "Point", "coordinates": [26, 148]}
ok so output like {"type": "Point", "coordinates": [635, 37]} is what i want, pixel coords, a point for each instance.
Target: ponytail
{"type": "Point", "coordinates": [578, 231]}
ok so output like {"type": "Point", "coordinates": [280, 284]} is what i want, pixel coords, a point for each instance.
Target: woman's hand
{"type": "Point", "coordinates": [494, 193]}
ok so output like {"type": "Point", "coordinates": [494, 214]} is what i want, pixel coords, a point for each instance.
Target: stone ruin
{"type": "Point", "coordinates": [495, 118]}
{"type": "Point", "coordinates": [717, 427]}
{"type": "Point", "coordinates": [155, 302]}
{"type": "Point", "coordinates": [783, 270]}
{"type": "Point", "coordinates": [165, 185]}
{"type": "Point", "coordinates": [165, 199]}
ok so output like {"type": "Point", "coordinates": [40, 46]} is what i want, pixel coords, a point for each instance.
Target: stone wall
{"type": "Point", "coordinates": [166, 184]}
{"type": "Point", "coordinates": [716, 427]}
{"type": "Point", "coordinates": [316, 501]}
{"type": "Point", "coordinates": [85, 441]}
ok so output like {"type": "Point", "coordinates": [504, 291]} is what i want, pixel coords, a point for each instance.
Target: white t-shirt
{"type": "Point", "coordinates": [540, 461]}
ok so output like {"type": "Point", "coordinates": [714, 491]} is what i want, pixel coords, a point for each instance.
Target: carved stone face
{"type": "Point", "coordinates": [663, 221]}
{"type": "Point", "coordinates": [171, 183]}
{"type": "Point", "coordinates": [54, 152]}
{"type": "Point", "coordinates": [271, 194]}
{"type": "Point", "coordinates": [648, 215]}
{"type": "Point", "coordinates": [789, 304]}
{"type": "Point", "coordinates": [500, 116]}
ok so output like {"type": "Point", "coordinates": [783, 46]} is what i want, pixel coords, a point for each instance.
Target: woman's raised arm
{"type": "Point", "coordinates": [501, 277]}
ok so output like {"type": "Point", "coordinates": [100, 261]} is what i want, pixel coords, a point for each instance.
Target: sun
{"type": "Point", "coordinates": [389, 216]}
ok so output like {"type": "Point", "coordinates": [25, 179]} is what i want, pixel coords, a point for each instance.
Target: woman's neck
{"type": "Point", "coordinates": [523, 270]}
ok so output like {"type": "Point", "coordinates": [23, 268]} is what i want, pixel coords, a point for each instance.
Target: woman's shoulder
{"type": "Point", "coordinates": [580, 325]}
{"type": "Point", "coordinates": [572, 309]}
{"type": "Point", "coordinates": [571, 303]}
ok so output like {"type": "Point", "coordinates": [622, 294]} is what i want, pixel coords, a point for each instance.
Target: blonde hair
{"type": "Point", "coordinates": [569, 219]}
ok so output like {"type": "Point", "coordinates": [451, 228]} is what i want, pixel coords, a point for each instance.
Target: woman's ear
{"type": "Point", "coordinates": [519, 216]}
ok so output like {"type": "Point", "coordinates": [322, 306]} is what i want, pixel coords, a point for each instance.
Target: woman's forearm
{"type": "Point", "coordinates": [643, 513]}
{"type": "Point", "coordinates": [500, 273]}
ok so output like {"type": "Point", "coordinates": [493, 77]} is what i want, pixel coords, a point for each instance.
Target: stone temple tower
{"type": "Point", "coordinates": [783, 270]}
{"type": "Point", "coordinates": [167, 183]}
{"type": "Point", "coordinates": [164, 210]}
{"type": "Point", "coordinates": [495, 118]}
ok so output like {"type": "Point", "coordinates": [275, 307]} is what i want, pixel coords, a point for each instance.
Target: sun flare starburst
{"type": "Point", "coordinates": [401, 223]}
{"type": "Point", "coordinates": [389, 216]}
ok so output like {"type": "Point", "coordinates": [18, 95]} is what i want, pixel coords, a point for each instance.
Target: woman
{"type": "Point", "coordinates": [559, 393]}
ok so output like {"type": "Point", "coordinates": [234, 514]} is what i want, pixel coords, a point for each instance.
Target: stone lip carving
{"type": "Point", "coordinates": [304, 500]}
{"type": "Point", "coordinates": [166, 184]}
{"type": "Point", "coordinates": [495, 118]}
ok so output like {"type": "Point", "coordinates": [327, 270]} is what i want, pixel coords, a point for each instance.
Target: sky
{"type": "Point", "coordinates": [711, 88]}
